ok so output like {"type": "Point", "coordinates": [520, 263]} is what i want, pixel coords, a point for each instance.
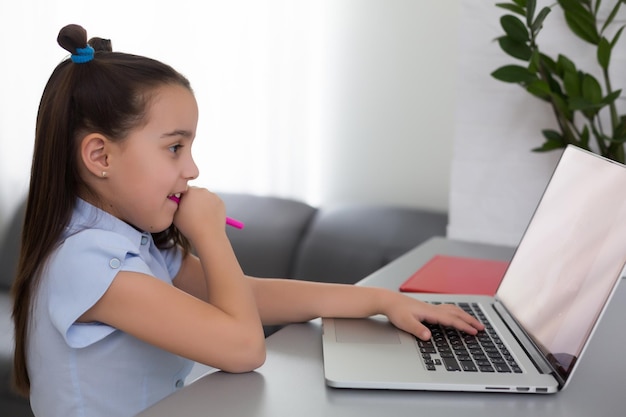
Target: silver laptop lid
{"type": "Point", "coordinates": [569, 261]}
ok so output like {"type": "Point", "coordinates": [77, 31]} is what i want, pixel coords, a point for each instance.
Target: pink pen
{"type": "Point", "coordinates": [234, 223]}
{"type": "Point", "coordinates": [229, 221]}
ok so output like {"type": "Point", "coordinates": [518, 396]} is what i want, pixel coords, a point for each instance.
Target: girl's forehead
{"type": "Point", "coordinates": [171, 95]}
{"type": "Point", "coordinates": [174, 108]}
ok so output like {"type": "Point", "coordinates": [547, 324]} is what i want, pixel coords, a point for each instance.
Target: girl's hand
{"type": "Point", "coordinates": [200, 213]}
{"type": "Point", "coordinates": [407, 314]}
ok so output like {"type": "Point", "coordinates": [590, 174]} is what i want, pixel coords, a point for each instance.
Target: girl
{"type": "Point", "coordinates": [111, 308]}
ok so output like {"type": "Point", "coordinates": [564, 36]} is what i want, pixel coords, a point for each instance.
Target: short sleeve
{"type": "Point", "coordinates": [79, 273]}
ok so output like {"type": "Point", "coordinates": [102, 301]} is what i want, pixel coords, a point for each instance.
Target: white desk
{"type": "Point", "coordinates": [291, 383]}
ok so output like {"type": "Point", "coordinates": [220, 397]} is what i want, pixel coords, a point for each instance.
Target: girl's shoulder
{"type": "Point", "coordinates": [95, 247]}
{"type": "Point", "coordinates": [101, 252]}
{"type": "Point", "coordinates": [106, 252]}
{"type": "Point", "coordinates": [90, 238]}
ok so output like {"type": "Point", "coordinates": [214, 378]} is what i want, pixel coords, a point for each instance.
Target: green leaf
{"type": "Point", "coordinates": [611, 15]}
{"type": "Point", "coordinates": [552, 135]}
{"type": "Point", "coordinates": [520, 3]}
{"type": "Point", "coordinates": [577, 7]}
{"type": "Point", "coordinates": [618, 140]}
{"type": "Point", "coordinates": [620, 130]}
{"type": "Point", "coordinates": [571, 82]}
{"type": "Point", "coordinates": [582, 104]}
{"type": "Point", "coordinates": [531, 5]}
{"type": "Point", "coordinates": [550, 145]}
{"type": "Point", "coordinates": [582, 23]}
{"type": "Point", "coordinates": [548, 63]}
{"type": "Point", "coordinates": [540, 89]}
{"type": "Point", "coordinates": [564, 65]}
{"type": "Point", "coordinates": [535, 62]}
{"type": "Point", "coordinates": [584, 138]}
{"type": "Point", "coordinates": [604, 53]}
{"type": "Point", "coordinates": [561, 106]}
{"type": "Point", "coordinates": [587, 108]}
{"type": "Point", "coordinates": [616, 37]}
{"type": "Point", "coordinates": [513, 74]}
{"type": "Point", "coordinates": [555, 87]}
{"type": "Point", "coordinates": [610, 98]}
{"type": "Point", "coordinates": [514, 28]}
{"type": "Point", "coordinates": [514, 48]}
{"type": "Point", "coordinates": [591, 89]}
{"type": "Point", "coordinates": [538, 23]}
{"type": "Point", "coordinates": [597, 8]}
{"type": "Point", "coordinates": [512, 8]}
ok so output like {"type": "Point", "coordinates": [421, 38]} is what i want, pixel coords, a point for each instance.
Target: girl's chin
{"type": "Point", "coordinates": [156, 222]}
{"type": "Point", "coordinates": [160, 227]}
{"type": "Point", "coordinates": [157, 230]}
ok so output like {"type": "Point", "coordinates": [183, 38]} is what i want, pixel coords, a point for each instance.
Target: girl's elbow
{"type": "Point", "coordinates": [251, 357]}
{"type": "Point", "coordinates": [257, 353]}
{"type": "Point", "coordinates": [259, 357]}
{"type": "Point", "coordinates": [250, 365]}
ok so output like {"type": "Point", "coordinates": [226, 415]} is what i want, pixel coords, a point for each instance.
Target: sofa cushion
{"type": "Point", "coordinates": [274, 227]}
{"type": "Point", "coordinates": [346, 243]}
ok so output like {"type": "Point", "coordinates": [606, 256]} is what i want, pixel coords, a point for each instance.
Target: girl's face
{"type": "Point", "coordinates": [154, 162]}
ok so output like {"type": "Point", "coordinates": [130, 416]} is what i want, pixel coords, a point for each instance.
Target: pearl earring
{"type": "Point", "coordinates": [104, 174]}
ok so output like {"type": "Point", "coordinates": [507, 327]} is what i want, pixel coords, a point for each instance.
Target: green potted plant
{"type": "Point", "coordinates": [585, 110]}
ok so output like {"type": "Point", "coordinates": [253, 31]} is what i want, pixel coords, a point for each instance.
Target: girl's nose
{"type": "Point", "coordinates": [191, 170]}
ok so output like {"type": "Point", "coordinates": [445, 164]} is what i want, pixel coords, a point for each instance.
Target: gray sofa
{"type": "Point", "coordinates": [281, 238]}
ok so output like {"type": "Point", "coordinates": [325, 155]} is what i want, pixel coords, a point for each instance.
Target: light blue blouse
{"type": "Point", "coordinates": [94, 370]}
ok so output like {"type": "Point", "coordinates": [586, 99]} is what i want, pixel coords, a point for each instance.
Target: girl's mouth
{"type": "Point", "coordinates": [175, 198]}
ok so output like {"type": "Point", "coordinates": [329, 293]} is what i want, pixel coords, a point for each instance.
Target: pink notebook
{"type": "Point", "coordinates": [457, 275]}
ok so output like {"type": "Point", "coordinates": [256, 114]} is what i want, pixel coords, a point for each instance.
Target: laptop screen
{"type": "Point", "coordinates": [570, 258]}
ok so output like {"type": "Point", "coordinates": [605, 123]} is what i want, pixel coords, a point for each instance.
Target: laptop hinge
{"type": "Point", "coordinates": [527, 344]}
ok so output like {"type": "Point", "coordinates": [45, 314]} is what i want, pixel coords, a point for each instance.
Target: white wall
{"type": "Point", "coordinates": [389, 106]}
{"type": "Point", "coordinates": [496, 181]}
{"type": "Point", "coordinates": [357, 95]}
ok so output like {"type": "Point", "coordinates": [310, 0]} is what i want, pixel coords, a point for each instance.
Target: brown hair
{"type": "Point", "coordinates": [109, 94]}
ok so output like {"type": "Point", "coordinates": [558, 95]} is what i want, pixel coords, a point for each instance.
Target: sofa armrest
{"type": "Point", "coordinates": [274, 227]}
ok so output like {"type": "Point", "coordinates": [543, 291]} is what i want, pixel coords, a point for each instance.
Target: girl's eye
{"type": "Point", "coordinates": [175, 148]}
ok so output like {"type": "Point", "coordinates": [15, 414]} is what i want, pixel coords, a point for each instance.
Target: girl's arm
{"type": "Point", "coordinates": [222, 328]}
{"type": "Point", "coordinates": [283, 301]}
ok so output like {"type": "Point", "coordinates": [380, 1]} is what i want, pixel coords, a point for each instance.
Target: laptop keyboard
{"type": "Point", "coordinates": [455, 350]}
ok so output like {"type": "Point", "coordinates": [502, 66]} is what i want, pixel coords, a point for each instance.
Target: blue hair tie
{"type": "Point", "coordinates": [83, 55]}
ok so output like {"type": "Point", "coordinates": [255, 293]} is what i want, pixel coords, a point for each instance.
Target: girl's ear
{"type": "Point", "coordinates": [94, 154]}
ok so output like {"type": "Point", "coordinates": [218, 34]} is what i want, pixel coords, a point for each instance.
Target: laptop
{"type": "Point", "coordinates": [553, 294]}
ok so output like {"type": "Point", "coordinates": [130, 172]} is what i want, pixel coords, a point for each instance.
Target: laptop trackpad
{"type": "Point", "coordinates": [365, 331]}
